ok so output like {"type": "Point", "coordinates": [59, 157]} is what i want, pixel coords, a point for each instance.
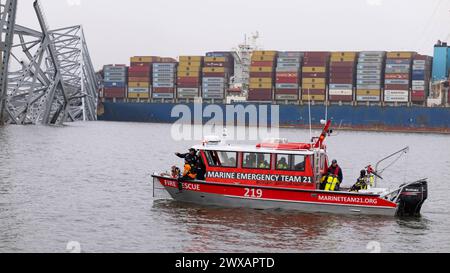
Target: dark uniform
{"type": "Point", "coordinates": [361, 182]}
{"type": "Point", "coordinates": [190, 157]}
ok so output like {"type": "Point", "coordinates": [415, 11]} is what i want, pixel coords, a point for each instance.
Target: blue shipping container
{"type": "Point", "coordinates": [440, 69]}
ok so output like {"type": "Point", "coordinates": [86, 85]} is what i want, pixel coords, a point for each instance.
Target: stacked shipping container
{"type": "Point", "coordinates": [397, 77]}
{"type": "Point", "coordinates": [342, 76]}
{"type": "Point", "coordinates": [369, 76]}
{"type": "Point", "coordinates": [164, 79]}
{"type": "Point", "coordinates": [115, 81]}
{"type": "Point", "coordinates": [261, 76]}
{"type": "Point", "coordinates": [217, 69]}
{"type": "Point", "coordinates": [140, 77]}
{"type": "Point", "coordinates": [314, 76]}
{"type": "Point", "coordinates": [189, 78]}
{"type": "Point", "coordinates": [288, 76]}
{"type": "Point", "coordinates": [421, 75]}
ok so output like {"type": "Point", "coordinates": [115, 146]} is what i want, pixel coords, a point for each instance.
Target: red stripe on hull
{"type": "Point", "coordinates": [282, 194]}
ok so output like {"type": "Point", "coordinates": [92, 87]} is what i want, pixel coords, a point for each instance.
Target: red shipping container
{"type": "Point", "coordinates": [314, 75]}
{"type": "Point", "coordinates": [163, 90]}
{"type": "Point", "coordinates": [341, 75]}
{"type": "Point", "coordinates": [114, 92]}
{"type": "Point", "coordinates": [138, 79]}
{"type": "Point", "coordinates": [397, 76]}
{"type": "Point", "coordinates": [132, 69]}
{"type": "Point", "coordinates": [214, 75]}
{"type": "Point", "coordinates": [316, 54]}
{"type": "Point", "coordinates": [260, 95]}
{"type": "Point", "coordinates": [139, 75]}
{"type": "Point", "coordinates": [313, 91]}
{"type": "Point", "coordinates": [264, 64]}
{"type": "Point", "coordinates": [261, 74]}
{"type": "Point", "coordinates": [141, 64]}
{"type": "Point", "coordinates": [287, 80]}
{"type": "Point", "coordinates": [396, 87]}
{"type": "Point", "coordinates": [340, 69]}
{"type": "Point", "coordinates": [341, 98]}
{"type": "Point", "coordinates": [288, 74]}
{"type": "Point", "coordinates": [314, 64]}
{"type": "Point", "coordinates": [341, 81]}
{"type": "Point", "coordinates": [188, 80]}
{"type": "Point", "coordinates": [287, 91]}
{"type": "Point", "coordinates": [343, 64]}
{"type": "Point", "coordinates": [418, 98]}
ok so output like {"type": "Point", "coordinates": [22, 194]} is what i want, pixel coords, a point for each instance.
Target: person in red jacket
{"type": "Point", "coordinates": [336, 171]}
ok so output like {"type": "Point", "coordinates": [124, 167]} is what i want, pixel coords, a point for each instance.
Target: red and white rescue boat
{"type": "Point", "coordinates": [282, 175]}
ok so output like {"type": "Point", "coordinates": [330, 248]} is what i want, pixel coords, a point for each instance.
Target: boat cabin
{"type": "Point", "coordinates": [273, 163]}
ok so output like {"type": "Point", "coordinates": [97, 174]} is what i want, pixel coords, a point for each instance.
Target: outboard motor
{"type": "Point", "coordinates": [412, 198]}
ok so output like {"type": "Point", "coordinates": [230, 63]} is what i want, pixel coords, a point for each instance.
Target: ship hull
{"type": "Point", "coordinates": [366, 118]}
{"type": "Point", "coordinates": [207, 194]}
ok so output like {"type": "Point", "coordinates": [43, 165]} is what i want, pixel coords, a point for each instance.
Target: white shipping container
{"type": "Point", "coordinates": [388, 98]}
{"type": "Point", "coordinates": [419, 67]}
{"type": "Point", "coordinates": [368, 98]}
{"type": "Point", "coordinates": [162, 96]}
{"type": "Point", "coordinates": [138, 90]}
{"type": "Point", "coordinates": [421, 62]}
{"type": "Point", "coordinates": [396, 93]}
{"type": "Point", "coordinates": [286, 97]}
{"type": "Point", "coordinates": [418, 82]}
{"type": "Point", "coordinates": [340, 92]}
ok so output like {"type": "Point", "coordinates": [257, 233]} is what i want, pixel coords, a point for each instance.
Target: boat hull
{"type": "Point", "coordinates": [206, 194]}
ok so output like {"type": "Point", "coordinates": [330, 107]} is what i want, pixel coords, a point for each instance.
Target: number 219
{"type": "Point", "coordinates": [253, 193]}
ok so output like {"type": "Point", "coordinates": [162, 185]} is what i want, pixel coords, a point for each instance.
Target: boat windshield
{"type": "Point", "coordinates": [221, 159]}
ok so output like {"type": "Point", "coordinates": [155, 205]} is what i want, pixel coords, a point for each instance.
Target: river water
{"type": "Point", "coordinates": [89, 184]}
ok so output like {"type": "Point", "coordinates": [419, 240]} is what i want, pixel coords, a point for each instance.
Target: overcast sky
{"type": "Point", "coordinates": [118, 29]}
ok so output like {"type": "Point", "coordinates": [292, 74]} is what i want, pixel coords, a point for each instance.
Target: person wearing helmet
{"type": "Point", "coordinates": [333, 178]}
{"type": "Point", "coordinates": [361, 182]}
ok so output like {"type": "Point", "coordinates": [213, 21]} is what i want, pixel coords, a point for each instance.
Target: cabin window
{"type": "Point", "coordinates": [290, 163]}
{"type": "Point", "coordinates": [221, 159]}
{"type": "Point", "coordinates": [298, 163]}
{"type": "Point", "coordinates": [256, 161]}
{"type": "Point", "coordinates": [283, 162]}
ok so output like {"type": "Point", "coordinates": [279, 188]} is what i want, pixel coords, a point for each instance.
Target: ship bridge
{"type": "Point", "coordinates": [46, 75]}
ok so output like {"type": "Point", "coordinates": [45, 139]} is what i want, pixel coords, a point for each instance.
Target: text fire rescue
{"type": "Point", "coordinates": [260, 177]}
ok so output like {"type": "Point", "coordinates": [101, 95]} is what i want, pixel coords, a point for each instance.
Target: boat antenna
{"type": "Point", "coordinates": [326, 107]}
{"type": "Point", "coordinates": [310, 119]}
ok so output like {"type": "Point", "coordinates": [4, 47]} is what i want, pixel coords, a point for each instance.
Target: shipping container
{"type": "Point", "coordinates": [114, 92]}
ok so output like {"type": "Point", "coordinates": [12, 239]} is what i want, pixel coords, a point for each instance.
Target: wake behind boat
{"type": "Point", "coordinates": [278, 174]}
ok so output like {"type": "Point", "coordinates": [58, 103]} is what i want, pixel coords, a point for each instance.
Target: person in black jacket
{"type": "Point", "coordinates": [191, 157]}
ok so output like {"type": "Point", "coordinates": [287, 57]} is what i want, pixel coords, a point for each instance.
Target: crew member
{"type": "Point", "coordinates": [189, 173]}
{"type": "Point", "coordinates": [176, 172]}
{"type": "Point", "coordinates": [333, 178]}
{"type": "Point", "coordinates": [361, 182]}
{"type": "Point", "coordinates": [282, 164]}
{"type": "Point", "coordinates": [191, 157]}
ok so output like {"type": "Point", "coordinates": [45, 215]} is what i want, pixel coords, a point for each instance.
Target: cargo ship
{"type": "Point", "coordinates": [367, 90]}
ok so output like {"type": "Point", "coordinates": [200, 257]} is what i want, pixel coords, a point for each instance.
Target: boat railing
{"type": "Point", "coordinates": [379, 172]}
